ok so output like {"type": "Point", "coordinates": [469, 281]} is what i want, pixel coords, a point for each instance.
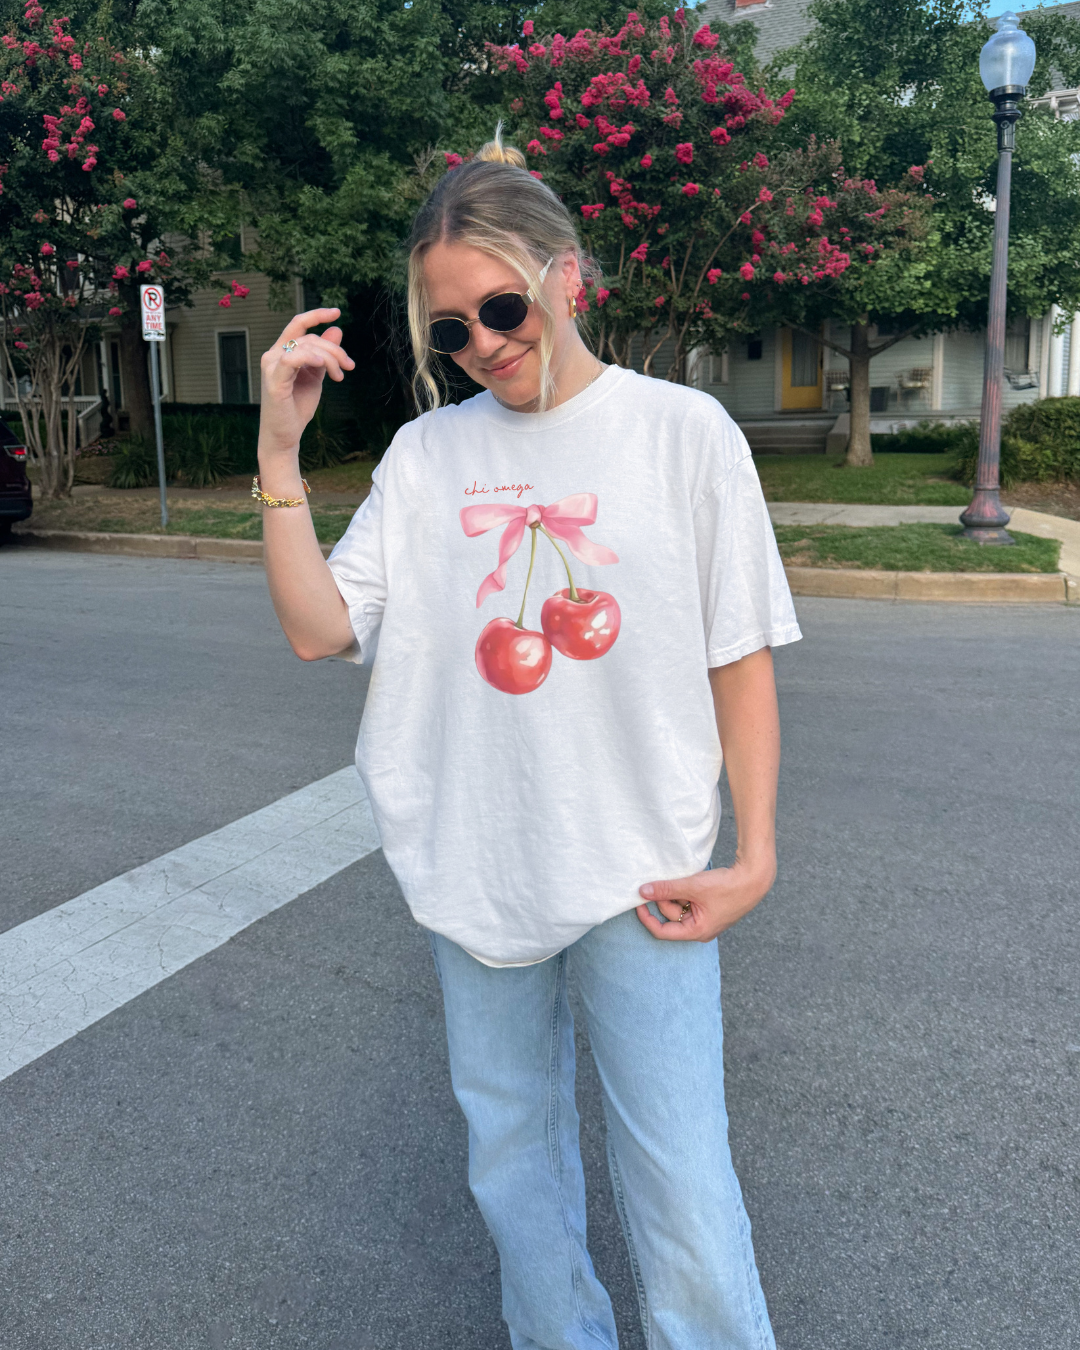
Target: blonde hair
{"type": "Point", "coordinates": [494, 204]}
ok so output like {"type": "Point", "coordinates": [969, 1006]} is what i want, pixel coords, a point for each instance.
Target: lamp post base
{"type": "Point", "coordinates": [985, 519]}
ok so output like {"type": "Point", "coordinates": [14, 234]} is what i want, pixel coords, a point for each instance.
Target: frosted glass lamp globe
{"type": "Point", "coordinates": [1009, 57]}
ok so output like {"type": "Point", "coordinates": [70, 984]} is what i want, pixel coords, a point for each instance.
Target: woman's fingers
{"type": "Point", "coordinates": [299, 325]}
{"type": "Point", "coordinates": [318, 351]}
{"type": "Point", "coordinates": [673, 931]}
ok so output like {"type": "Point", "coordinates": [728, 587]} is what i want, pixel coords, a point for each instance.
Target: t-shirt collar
{"type": "Point", "coordinates": [600, 389]}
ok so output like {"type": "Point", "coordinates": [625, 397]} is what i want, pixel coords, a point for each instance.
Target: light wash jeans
{"type": "Point", "coordinates": [653, 1011]}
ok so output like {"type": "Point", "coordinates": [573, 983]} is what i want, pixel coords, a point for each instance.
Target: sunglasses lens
{"type": "Point", "coordinates": [449, 336]}
{"type": "Point", "coordinates": [503, 313]}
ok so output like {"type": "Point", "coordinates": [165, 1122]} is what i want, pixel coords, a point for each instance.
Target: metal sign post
{"type": "Point", "coordinates": [152, 303]}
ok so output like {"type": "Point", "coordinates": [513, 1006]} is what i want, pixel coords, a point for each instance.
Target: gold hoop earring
{"type": "Point", "coordinates": [571, 306]}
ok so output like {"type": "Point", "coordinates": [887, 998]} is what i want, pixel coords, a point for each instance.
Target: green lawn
{"type": "Point", "coordinates": [141, 515]}
{"type": "Point", "coordinates": [911, 548]}
{"type": "Point", "coordinates": [894, 480]}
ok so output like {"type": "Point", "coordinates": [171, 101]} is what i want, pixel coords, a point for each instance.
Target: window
{"type": "Point", "coordinates": [754, 348]}
{"type": "Point", "coordinates": [233, 364]}
{"type": "Point", "coordinates": [804, 361]}
{"type": "Point", "coordinates": [116, 389]}
{"type": "Point", "coordinates": [1016, 343]}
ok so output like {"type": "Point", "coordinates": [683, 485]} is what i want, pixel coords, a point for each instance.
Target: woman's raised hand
{"type": "Point", "coordinates": [292, 380]}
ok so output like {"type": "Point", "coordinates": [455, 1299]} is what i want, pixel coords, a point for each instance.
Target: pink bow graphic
{"type": "Point", "coordinates": [563, 519]}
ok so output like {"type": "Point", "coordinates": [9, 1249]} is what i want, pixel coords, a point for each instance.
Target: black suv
{"type": "Point", "coordinates": [16, 502]}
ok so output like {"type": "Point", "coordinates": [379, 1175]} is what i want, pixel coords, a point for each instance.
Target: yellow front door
{"type": "Point", "coordinates": [801, 362]}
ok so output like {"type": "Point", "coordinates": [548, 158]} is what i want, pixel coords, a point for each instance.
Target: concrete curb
{"type": "Point", "coordinates": [149, 545]}
{"type": "Point", "coordinates": [992, 588]}
{"type": "Point", "coordinates": [849, 584]}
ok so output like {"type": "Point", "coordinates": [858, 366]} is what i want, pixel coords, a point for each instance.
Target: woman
{"type": "Point", "coordinates": [544, 772]}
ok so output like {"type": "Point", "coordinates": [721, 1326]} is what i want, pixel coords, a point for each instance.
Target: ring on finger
{"type": "Point", "coordinates": [289, 346]}
{"type": "Point", "coordinates": [684, 911]}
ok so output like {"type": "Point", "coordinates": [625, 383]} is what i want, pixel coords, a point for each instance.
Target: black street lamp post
{"type": "Point", "coordinates": [1005, 64]}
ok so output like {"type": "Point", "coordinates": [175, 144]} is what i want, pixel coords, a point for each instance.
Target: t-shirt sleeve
{"type": "Point", "coordinates": [745, 600]}
{"type": "Point", "coordinates": [359, 567]}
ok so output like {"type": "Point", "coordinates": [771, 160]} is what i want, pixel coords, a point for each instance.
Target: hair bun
{"type": "Point", "coordinates": [495, 152]}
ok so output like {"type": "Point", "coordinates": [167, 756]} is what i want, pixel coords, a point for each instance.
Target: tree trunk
{"type": "Point", "coordinates": [859, 454]}
{"type": "Point", "coordinates": [135, 378]}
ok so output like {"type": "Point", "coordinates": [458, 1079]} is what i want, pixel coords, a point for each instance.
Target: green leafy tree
{"type": "Point", "coordinates": [87, 185]}
{"type": "Point", "coordinates": [901, 88]}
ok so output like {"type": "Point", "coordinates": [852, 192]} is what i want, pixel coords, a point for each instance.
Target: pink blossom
{"type": "Point", "coordinates": [34, 300]}
{"type": "Point", "coordinates": [646, 161]}
{"type": "Point", "coordinates": [745, 295]}
{"type": "Point", "coordinates": [47, 250]}
{"type": "Point", "coordinates": [601, 147]}
{"type": "Point", "coordinates": [757, 239]}
{"type": "Point", "coordinates": [591, 212]}
{"type": "Point", "coordinates": [53, 155]}
{"type": "Point", "coordinates": [115, 312]}
{"type": "Point", "coordinates": [225, 301]}
{"type": "Point", "coordinates": [452, 159]}
{"type": "Point", "coordinates": [760, 161]}
{"type": "Point", "coordinates": [89, 164]}
{"type": "Point", "coordinates": [684, 152]}
{"type": "Point", "coordinates": [128, 203]}
{"type": "Point", "coordinates": [119, 114]}
{"type": "Point", "coordinates": [691, 189]}
{"type": "Point", "coordinates": [720, 135]}
{"type": "Point", "coordinates": [660, 300]}
{"type": "Point", "coordinates": [75, 61]}
{"type": "Point", "coordinates": [535, 173]}
{"type": "Point", "coordinates": [638, 254]}
{"type": "Point", "coordinates": [703, 38]}
{"type": "Point", "coordinates": [120, 272]}
{"type": "Point", "coordinates": [163, 259]}
{"type": "Point", "coordinates": [144, 266]}
{"type": "Point", "coordinates": [714, 275]}
{"type": "Point", "coordinates": [746, 217]}
{"type": "Point", "coordinates": [583, 122]}
{"type": "Point", "coordinates": [73, 263]}
{"type": "Point", "coordinates": [602, 295]}
{"type": "Point", "coordinates": [21, 346]}
{"type": "Point", "coordinates": [746, 271]}
{"type": "Point", "coordinates": [815, 217]}
{"type": "Point", "coordinates": [527, 28]}
{"type": "Point", "coordinates": [779, 278]}
{"type": "Point", "coordinates": [241, 292]}
{"type": "Point", "coordinates": [917, 171]}
{"type": "Point", "coordinates": [535, 148]}
{"type": "Point", "coordinates": [102, 89]}
{"type": "Point", "coordinates": [764, 195]}
{"type": "Point", "coordinates": [537, 49]}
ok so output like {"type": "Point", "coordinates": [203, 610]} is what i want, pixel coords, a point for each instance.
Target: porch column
{"type": "Point", "coordinates": [1057, 355]}
{"type": "Point", "coordinates": [1073, 388]}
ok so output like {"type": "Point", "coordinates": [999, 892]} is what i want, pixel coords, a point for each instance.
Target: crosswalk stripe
{"type": "Point", "coordinates": [65, 969]}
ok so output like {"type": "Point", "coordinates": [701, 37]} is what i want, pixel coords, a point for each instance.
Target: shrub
{"type": "Point", "coordinates": [1040, 443]}
{"type": "Point", "coordinates": [134, 464]}
{"type": "Point", "coordinates": [926, 438]}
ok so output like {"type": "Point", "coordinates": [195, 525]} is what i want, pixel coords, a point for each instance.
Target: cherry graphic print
{"type": "Point", "coordinates": [582, 625]}
{"type": "Point", "coordinates": [512, 659]}
{"type": "Point", "coordinates": [582, 629]}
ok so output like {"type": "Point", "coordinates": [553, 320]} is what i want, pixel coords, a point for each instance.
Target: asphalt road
{"type": "Point", "coordinates": [262, 1152]}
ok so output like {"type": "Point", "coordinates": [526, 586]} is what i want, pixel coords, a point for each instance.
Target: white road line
{"type": "Point", "coordinates": [64, 970]}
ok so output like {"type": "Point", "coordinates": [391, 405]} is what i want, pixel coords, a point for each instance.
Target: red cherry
{"type": "Point", "coordinates": [512, 659]}
{"type": "Point", "coordinates": [582, 629]}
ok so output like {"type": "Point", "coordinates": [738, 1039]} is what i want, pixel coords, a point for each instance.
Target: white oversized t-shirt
{"type": "Point", "coordinates": [516, 821]}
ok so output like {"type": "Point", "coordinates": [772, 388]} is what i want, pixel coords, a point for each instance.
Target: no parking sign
{"type": "Point", "coordinates": [152, 301]}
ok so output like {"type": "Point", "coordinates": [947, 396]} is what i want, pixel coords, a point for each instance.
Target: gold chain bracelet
{"type": "Point", "coordinates": [261, 496]}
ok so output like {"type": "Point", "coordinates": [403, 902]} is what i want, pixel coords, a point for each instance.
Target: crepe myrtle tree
{"type": "Point", "coordinates": [77, 237]}
{"type": "Point", "coordinates": [843, 253]}
{"type": "Point", "coordinates": [661, 148]}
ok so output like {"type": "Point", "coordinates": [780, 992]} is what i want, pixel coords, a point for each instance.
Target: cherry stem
{"type": "Point", "coordinates": [562, 555]}
{"type": "Point", "coordinates": [532, 559]}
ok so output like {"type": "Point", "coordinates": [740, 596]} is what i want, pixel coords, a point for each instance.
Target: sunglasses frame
{"type": "Point", "coordinates": [528, 297]}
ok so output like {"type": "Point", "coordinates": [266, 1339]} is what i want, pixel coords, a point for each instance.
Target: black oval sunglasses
{"type": "Point", "coordinates": [501, 313]}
